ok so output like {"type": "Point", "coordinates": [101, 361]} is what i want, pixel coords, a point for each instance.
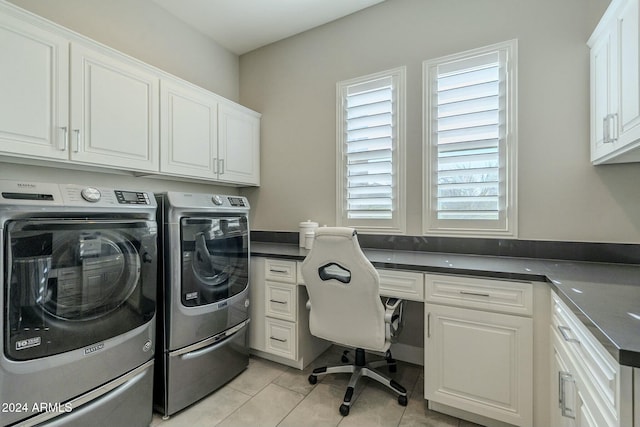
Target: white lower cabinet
{"type": "Point", "coordinates": [589, 388]}
{"type": "Point", "coordinates": [479, 347]}
{"type": "Point", "coordinates": [279, 328]}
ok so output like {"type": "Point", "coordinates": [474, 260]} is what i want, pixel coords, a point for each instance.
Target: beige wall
{"type": "Point", "coordinates": [141, 29]}
{"type": "Point", "coordinates": [561, 196]}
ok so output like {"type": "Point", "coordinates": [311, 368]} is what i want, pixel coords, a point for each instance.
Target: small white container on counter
{"type": "Point", "coordinates": [305, 226]}
{"type": "Point", "coordinates": [308, 240]}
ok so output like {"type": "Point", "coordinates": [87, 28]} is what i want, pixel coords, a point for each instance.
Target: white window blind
{"type": "Point", "coordinates": [369, 141]}
{"type": "Point", "coordinates": [471, 142]}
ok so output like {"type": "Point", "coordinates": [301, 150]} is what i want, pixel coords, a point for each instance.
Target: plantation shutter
{"type": "Point", "coordinates": [470, 122]}
{"type": "Point", "coordinates": [370, 109]}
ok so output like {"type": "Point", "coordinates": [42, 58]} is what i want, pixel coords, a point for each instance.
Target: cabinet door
{"type": "Point", "coordinates": [479, 362]}
{"type": "Point", "coordinates": [602, 95]}
{"type": "Point", "coordinates": [34, 86]}
{"type": "Point", "coordinates": [628, 69]}
{"type": "Point", "coordinates": [238, 145]}
{"type": "Point", "coordinates": [188, 133]}
{"type": "Point", "coordinates": [114, 111]}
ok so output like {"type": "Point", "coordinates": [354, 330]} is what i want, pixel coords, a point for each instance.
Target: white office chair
{"type": "Point", "coordinates": [345, 308]}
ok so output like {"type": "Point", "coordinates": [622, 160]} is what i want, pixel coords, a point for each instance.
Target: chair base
{"type": "Point", "coordinates": [362, 369]}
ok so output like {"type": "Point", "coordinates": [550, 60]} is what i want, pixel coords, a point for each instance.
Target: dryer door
{"type": "Point", "coordinates": [74, 283]}
{"type": "Point", "coordinates": [215, 259]}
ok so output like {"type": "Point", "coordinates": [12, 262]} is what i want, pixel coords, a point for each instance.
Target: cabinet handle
{"type": "Point", "coordinates": [428, 325]}
{"type": "Point", "coordinates": [64, 139]}
{"type": "Point", "coordinates": [476, 294]}
{"type": "Point", "coordinates": [614, 121]}
{"type": "Point", "coordinates": [563, 331]}
{"type": "Point", "coordinates": [215, 165]}
{"type": "Point", "coordinates": [563, 379]}
{"type": "Point", "coordinates": [278, 339]}
{"type": "Point", "coordinates": [278, 302]}
{"type": "Point", "coordinates": [221, 166]}
{"type": "Point", "coordinates": [76, 147]}
{"type": "Point", "coordinates": [273, 270]}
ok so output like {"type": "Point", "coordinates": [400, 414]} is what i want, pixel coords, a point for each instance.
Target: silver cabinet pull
{"type": "Point", "coordinates": [563, 331]}
{"type": "Point", "coordinates": [475, 294]}
{"type": "Point", "coordinates": [605, 129]}
{"type": "Point", "coordinates": [215, 165]}
{"type": "Point", "coordinates": [565, 378]}
{"type": "Point", "coordinates": [64, 139]}
{"type": "Point", "coordinates": [273, 270]}
{"type": "Point", "coordinates": [221, 166]}
{"type": "Point", "coordinates": [278, 302]}
{"type": "Point", "coordinates": [76, 147]}
{"type": "Point", "coordinates": [428, 325]}
{"type": "Point", "coordinates": [278, 339]}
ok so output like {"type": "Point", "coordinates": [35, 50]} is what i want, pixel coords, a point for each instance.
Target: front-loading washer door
{"type": "Point", "coordinates": [75, 283]}
{"type": "Point", "coordinates": [215, 259]}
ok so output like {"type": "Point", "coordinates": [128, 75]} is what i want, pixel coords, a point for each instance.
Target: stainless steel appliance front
{"type": "Point", "coordinates": [79, 286]}
{"type": "Point", "coordinates": [203, 297]}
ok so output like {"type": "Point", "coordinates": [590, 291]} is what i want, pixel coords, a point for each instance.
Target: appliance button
{"type": "Point", "coordinates": [217, 200]}
{"type": "Point", "coordinates": [90, 194]}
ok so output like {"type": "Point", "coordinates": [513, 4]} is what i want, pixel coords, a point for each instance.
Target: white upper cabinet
{"type": "Point", "coordinates": [615, 85]}
{"type": "Point", "coordinates": [189, 130]}
{"type": "Point", "coordinates": [205, 136]}
{"type": "Point", "coordinates": [34, 86]}
{"type": "Point", "coordinates": [238, 144]}
{"type": "Point", "coordinates": [114, 111]}
{"type": "Point", "coordinates": [69, 100]}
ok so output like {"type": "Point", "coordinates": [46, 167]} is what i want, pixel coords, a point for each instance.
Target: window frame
{"type": "Point", "coordinates": [397, 224]}
{"type": "Point", "coordinates": [506, 226]}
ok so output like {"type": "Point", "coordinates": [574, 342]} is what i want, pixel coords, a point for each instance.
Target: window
{"type": "Point", "coordinates": [370, 170]}
{"type": "Point", "coordinates": [470, 142]}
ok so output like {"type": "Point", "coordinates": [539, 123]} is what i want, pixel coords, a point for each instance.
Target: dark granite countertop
{"type": "Point", "coordinates": [605, 297]}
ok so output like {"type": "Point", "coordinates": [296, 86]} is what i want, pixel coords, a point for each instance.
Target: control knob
{"type": "Point", "coordinates": [90, 194]}
{"type": "Point", "coordinates": [217, 200]}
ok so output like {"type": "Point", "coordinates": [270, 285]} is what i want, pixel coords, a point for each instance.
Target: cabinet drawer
{"type": "Point", "coordinates": [281, 301]}
{"type": "Point", "coordinates": [497, 295]}
{"type": "Point", "coordinates": [402, 284]}
{"type": "Point", "coordinates": [595, 364]}
{"type": "Point", "coordinates": [281, 338]}
{"type": "Point", "coordinates": [280, 270]}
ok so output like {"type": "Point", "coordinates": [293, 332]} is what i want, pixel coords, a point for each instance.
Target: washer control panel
{"type": "Point", "coordinates": [132, 197]}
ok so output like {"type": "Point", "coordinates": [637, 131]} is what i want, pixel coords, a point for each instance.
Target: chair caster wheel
{"type": "Point", "coordinates": [313, 379]}
{"type": "Point", "coordinates": [344, 357]}
{"type": "Point", "coordinates": [402, 400]}
{"type": "Point", "coordinates": [344, 410]}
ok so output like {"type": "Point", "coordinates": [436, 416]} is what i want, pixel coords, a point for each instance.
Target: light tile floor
{"type": "Point", "coordinates": [270, 394]}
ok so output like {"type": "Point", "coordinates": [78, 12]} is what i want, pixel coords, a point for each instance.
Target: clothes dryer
{"type": "Point", "coordinates": [203, 296]}
{"type": "Point", "coordinates": [78, 305]}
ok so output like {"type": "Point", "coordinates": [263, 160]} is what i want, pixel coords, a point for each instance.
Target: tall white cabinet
{"type": "Point", "coordinates": [615, 85]}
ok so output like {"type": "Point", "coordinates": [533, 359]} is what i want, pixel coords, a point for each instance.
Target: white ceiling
{"type": "Point", "coordinates": [244, 25]}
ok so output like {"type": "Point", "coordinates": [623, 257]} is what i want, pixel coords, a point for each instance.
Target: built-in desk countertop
{"type": "Point", "coordinates": [605, 297]}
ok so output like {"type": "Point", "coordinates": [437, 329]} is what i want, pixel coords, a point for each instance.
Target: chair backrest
{"type": "Point", "coordinates": [345, 305]}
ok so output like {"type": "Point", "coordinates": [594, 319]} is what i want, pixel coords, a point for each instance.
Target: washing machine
{"type": "Point", "coordinates": [203, 296]}
{"type": "Point", "coordinates": [79, 270]}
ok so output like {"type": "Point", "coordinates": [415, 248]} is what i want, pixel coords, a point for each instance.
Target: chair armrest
{"type": "Point", "coordinates": [393, 318]}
